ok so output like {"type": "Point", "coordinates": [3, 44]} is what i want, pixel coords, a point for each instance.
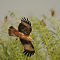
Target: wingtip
{"type": "Point", "coordinates": [26, 20]}
{"type": "Point", "coordinates": [29, 53]}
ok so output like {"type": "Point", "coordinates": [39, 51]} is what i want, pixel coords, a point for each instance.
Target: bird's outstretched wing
{"type": "Point", "coordinates": [25, 26]}
{"type": "Point", "coordinates": [26, 40]}
{"type": "Point", "coordinates": [28, 47]}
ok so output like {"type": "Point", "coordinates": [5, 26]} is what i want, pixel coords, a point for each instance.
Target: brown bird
{"type": "Point", "coordinates": [23, 32]}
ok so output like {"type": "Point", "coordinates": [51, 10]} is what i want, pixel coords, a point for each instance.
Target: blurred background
{"type": "Point", "coordinates": [45, 19]}
{"type": "Point", "coordinates": [29, 7]}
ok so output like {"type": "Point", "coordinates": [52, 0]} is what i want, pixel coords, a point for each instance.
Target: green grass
{"type": "Point", "coordinates": [46, 40]}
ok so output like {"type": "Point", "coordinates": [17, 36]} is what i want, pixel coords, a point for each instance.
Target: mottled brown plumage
{"type": "Point", "coordinates": [25, 26]}
{"type": "Point", "coordinates": [24, 29]}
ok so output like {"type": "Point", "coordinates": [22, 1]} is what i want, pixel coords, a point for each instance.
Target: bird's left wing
{"type": "Point", "coordinates": [28, 47]}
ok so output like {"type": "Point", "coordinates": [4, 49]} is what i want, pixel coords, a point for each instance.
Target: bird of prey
{"type": "Point", "coordinates": [23, 32]}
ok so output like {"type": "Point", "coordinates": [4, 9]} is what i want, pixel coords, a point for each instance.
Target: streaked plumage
{"type": "Point", "coordinates": [24, 29]}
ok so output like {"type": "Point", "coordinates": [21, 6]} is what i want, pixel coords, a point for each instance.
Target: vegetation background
{"type": "Point", "coordinates": [45, 34]}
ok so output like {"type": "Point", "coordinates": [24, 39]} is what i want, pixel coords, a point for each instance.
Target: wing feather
{"type": "Point", "coordinates": [28, 47]}
{"type": "Point", "coordinates": [25, 26]}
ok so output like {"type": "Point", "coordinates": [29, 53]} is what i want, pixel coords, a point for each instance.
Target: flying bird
{"type": "Point", "coordinates": [23, 32]}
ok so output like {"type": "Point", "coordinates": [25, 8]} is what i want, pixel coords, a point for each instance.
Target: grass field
{"type": "Point", "coordinates": [46, 39]}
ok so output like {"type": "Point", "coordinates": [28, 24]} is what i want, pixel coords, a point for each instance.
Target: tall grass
{"type": "Point", "coordinates": [46, 39]}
